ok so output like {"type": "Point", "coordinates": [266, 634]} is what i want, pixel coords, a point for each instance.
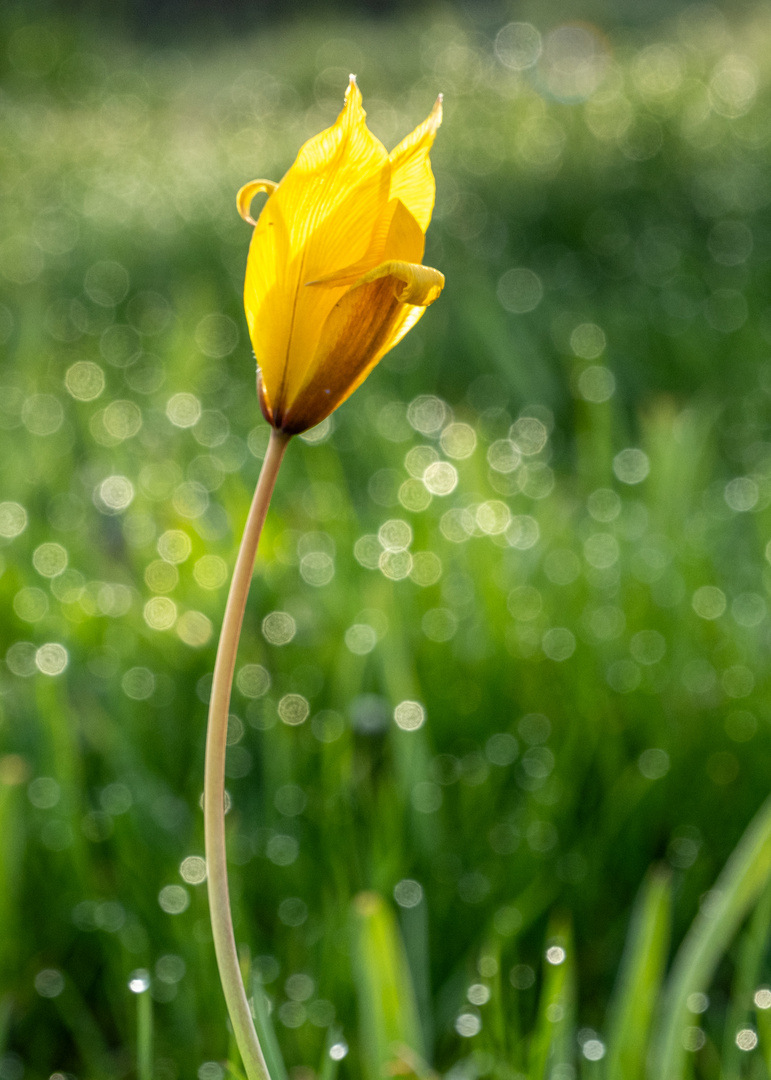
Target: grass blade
{"type": "Point", "coordinates": [86, 1033]}
{"type": "Point", "coordinates": [414, 927]}
{"type": "Point", "coordinates": [552, 1042]}
{"type": "Point", "coordinates": [752, 951]}
{"type": "Point", "coordinates": [330, 1060]}
{"type": "Point", "coordinates": [738, 887]}
{"type": "Point", "coordinates": [266, 1033]}
{"type": "Point", "coordinates": [11, 856]}
{"type": "Point", "coordinates": [145, 1035]}
{"type": "Point", "coordinates": [763, 1023]}
{"type": "Point", "coordinates": [387, 1006]}
{"type": "Point", "coordinates": [639, 981]}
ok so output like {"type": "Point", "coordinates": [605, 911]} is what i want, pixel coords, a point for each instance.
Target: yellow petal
{"type": "Point", "coordinates": [247, 193]}
{"type": "Point", "coordinates": [412, 180]}
{"type": "Point", "coordinates": [397, 236]}
{"type": "Point", "coordinates": [322, 216]}
{"type": "Point", "coordinates": [361, 328]}
{"type": "Point", "coordinates": [336, 190]}
{"type": "Point", "coordinates": [265, 298]}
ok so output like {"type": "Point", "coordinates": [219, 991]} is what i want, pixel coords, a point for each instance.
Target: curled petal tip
{"type": "Point", "coordinates": [247, 193]}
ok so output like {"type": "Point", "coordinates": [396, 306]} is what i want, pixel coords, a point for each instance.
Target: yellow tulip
{"type": "Point", "coordinates": [334, 276]}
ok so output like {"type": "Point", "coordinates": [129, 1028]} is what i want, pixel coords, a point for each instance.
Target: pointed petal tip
{"type": "Point", "coordinates": [353, 98]}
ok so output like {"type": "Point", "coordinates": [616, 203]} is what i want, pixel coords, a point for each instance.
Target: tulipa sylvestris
{"type": "Point", "coordinates": [334, 280]}
{"type": "Point", "coordinates": [334, 277]}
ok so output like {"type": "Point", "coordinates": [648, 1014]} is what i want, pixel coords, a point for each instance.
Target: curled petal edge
{"type": "Point", "coordinates": [420, 285]}
{"type": "Point", "coordinates": [262, 397]}
{"type": "Point", "coordinates": [414, 284]}
{"type": "Point", "coordinates": [247, 193]}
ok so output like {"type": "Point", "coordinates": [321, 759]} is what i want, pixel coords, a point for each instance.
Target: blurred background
{"type": "Point", "coordinates": [508, 637]}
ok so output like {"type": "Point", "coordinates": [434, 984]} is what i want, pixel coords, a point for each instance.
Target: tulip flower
{"type": "Point", "coordinates": [334, 277]}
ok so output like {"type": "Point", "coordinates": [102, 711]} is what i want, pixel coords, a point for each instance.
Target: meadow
{"type": "Point", "coordinates": [501, 712]}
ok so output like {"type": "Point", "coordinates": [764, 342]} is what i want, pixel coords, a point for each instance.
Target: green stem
{"type": "Point", "coordinates": [214, 776]}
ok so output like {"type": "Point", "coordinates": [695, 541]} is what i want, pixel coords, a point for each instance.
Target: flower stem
{"type": "Point", "coordinates": [214, 776]}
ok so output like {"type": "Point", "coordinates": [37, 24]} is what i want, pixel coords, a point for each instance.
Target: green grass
{"type": "Point", "coordinates": [586, 630]}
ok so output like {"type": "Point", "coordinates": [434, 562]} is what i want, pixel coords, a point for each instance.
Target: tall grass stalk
{"type": "Point", "coordinates": [214, 779]}
{"type": "Point", "coordinates": [145, 1036]}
